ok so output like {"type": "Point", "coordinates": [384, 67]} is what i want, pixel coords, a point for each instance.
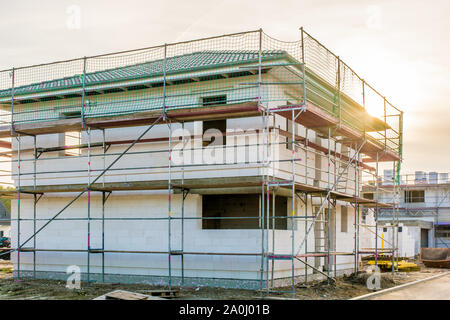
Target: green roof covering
{"type": "Point", "coordinates": [177, 64]}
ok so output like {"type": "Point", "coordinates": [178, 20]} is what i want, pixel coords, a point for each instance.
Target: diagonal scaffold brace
{"type": "Point", "coordinates": [91, 183]}
{"type": "Point", "coordinates": [325, 199]}
{"type": "Point", "coordinates": [314, 268]}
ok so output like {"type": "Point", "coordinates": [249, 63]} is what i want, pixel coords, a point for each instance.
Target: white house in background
{"type": "Point", "coordinates": [424, 209]}
{"type": "Point", "coordinates": [5, 221]}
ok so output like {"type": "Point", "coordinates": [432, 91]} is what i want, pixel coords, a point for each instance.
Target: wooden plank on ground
{"type": "Point", "coordinates": [127, 295]}
{"type": "Point", "coordinates": [164, 293]}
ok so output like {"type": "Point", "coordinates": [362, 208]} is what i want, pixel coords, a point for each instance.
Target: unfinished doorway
{"type": "Point", "coordinates": [424, 238]}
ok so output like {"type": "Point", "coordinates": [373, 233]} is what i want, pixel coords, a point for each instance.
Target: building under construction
{"type": "Point", "coordinates": [423, 209]}
{"type": "Point", "coordinates": [234, 161]}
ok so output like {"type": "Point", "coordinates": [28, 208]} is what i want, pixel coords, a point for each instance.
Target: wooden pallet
{"type": "Point", "coordinates": [164, 293]}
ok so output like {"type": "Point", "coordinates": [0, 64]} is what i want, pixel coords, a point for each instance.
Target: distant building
{"type": "Point", "coordinates": [424, 208]}
{"type": "Point", "coordinates": [5, 221]}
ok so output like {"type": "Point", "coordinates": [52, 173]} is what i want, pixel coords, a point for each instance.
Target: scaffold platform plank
{"type": "Point", "coordinates": [313, 118]}
{"type": "Point", "coordinates": [222, 185]}
{"type": "Point", "coordinates": [244, 109]}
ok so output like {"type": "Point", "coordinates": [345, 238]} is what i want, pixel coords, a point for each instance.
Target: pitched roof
{"type": "Point", "coordinates": [182, 63]}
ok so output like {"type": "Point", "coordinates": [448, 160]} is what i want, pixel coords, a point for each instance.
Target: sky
{"type": "Point", "coordinates": [402, 48]}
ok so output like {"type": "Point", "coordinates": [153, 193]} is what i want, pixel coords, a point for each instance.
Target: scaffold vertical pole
{"type": "Point", "coordinates": [103, 235]}
{"type": "Point", "coordinates": [183, 197]}
{"type": "Point", "coordinates": [13, 75]}
{"type": "Point", "coordinates": [169, 217]}
{"type": "Point", "coordinates": [264, 182]}
{"type": "Point", "coordinates": [376, 210]}
{"type": "Point", "coordinates": [261, 219]}
{"type": "Point", "coordinates": [306, 236]}
{"type": "Point", "coordinates": [328, 211]}
{"type": "Point", "coordinates": [397, 253]}
{"type": "Point", "coordinates": [364, 107]}
{"type": "Point", "coordinates": [267, 201]}
{"type": "Point", "coordinates": [397, 196]}
{"type": "Point", "coordinates": [103, 204]}
{"type": "Point", "coordinates": [259, 67]}
{"type": "Point", "coordinates": [302, 39]}
{"type": "Point", "coordinates": [385, 121]}
{"type": "Point", "coordinates": [169, 180]}
{"type": "Point", "coordinates": [83, 95]}
{"type": "Point", "coordinates": [400, 151]}
{"type": "Point", "coordinates": [339, 90]}
{"type": "Point", "coordinates": [267, 209]}
{"type": "Point", "coordinates": [18, 204]}
{"type": "Point", "coordinates": [273, 236]}
{"type": "Point", "coordinates": [356, 216]}
{"type": "Point", "coordinates": [88, 133]}
{"type": "Point", "coordinates": [34, 204]}
{"type": "Point", "coordinates": [267, 234]}
{"type": "Point", "coordinates": [400, 142]}
{"type": "Point", "coordinates": [164, 82]}
{"type": "Point", "coordinates": [272, 249]}
{"type": "Point", "coordinates": [306, 204]}
{"type": "Point", "coordinates": [293, 201]}
{"type": "Point", "coordinates": [334, 205]}
{"type": "Point", "coordinates": [103, 155]}
{"type": "Point", "coordinates": [393, 220]}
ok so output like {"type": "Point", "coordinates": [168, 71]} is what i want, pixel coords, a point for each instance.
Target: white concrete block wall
{"type": "Point", "coordinates": [406, 245]}
{"type": "Point", "coordinates": [136, 235]}
{"type": "Point", "coordinates": [345, 240]}
{"type": "Point", "coordinates": [408, 240]}
{"type": "Point", "coordinates": [53, 170]}
{"type": "Point", "coordinates": [152, 235]}
{"type": "Point", "coordinates": [283, 244]}
{"type": "Point", "coordinates": [367, 233]}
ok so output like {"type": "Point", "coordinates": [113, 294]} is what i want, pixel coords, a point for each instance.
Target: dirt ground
{"type": "Point", "coordinates": [344, 288]}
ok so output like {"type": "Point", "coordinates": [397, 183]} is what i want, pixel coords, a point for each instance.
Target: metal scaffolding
{"type": "Point", "coordinates": [322, 92]}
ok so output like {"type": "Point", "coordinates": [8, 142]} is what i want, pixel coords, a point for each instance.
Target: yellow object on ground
{"type": "Point", "coordinates": [403, 265]}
